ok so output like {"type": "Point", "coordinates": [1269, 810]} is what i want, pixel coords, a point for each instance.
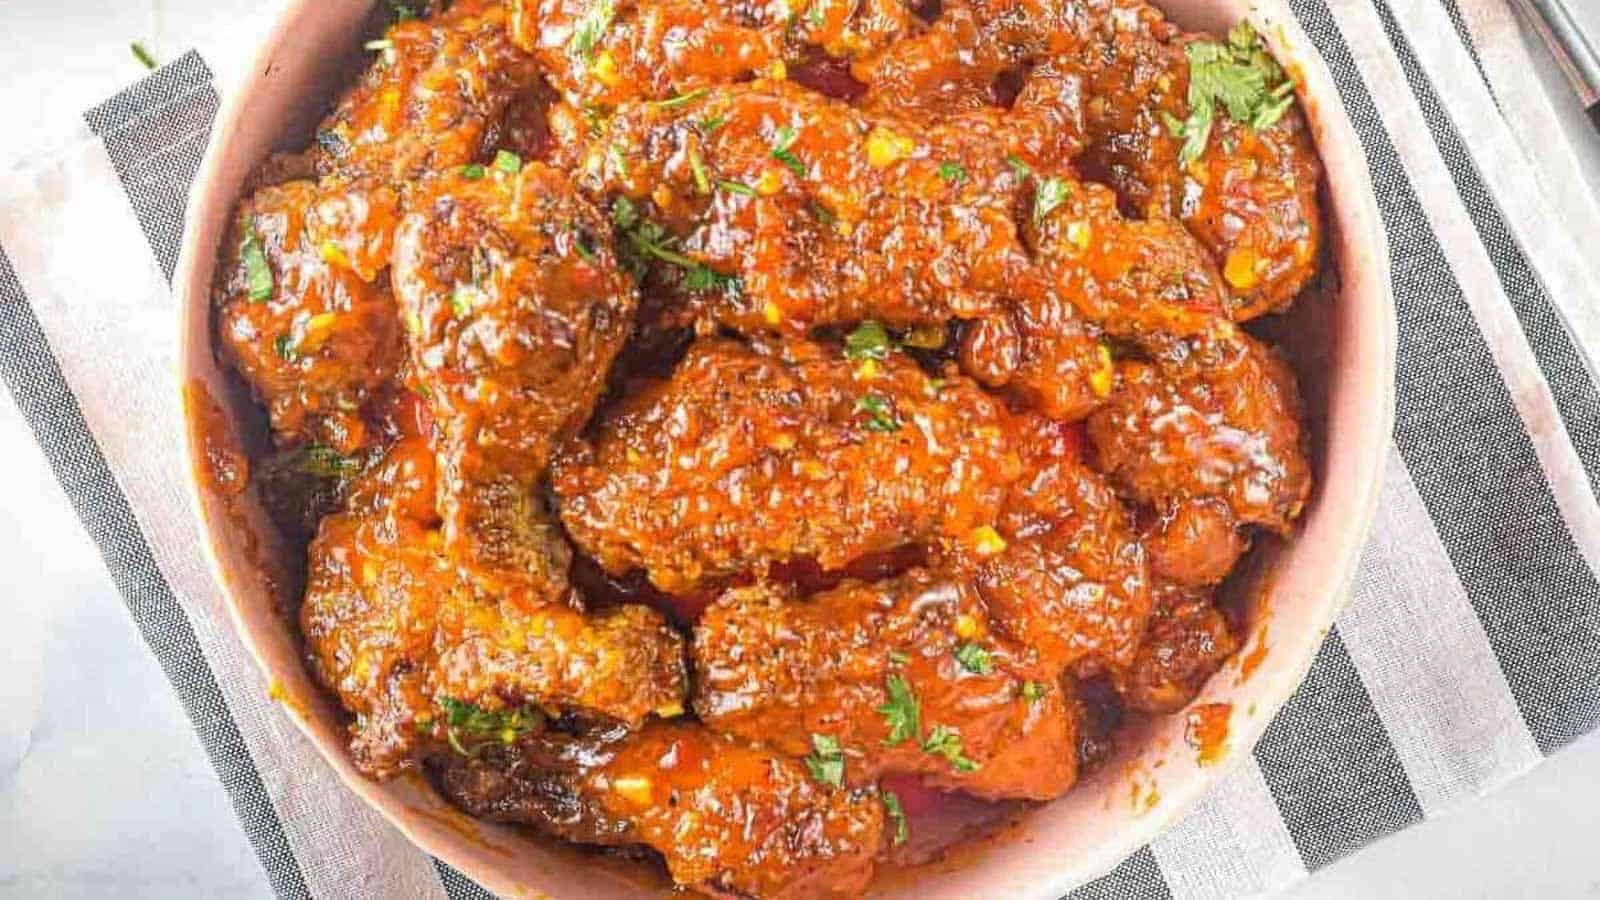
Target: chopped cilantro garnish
{"type": "Point", "coordinates": [702, 183]}
{"type": "Point", "coordinates": [868, 340]}
{"type": "Point", "coordinates": [581, 243]}
{"type": "Point", "coordinates": [504, 725]}
{"type": "Point", "coordinates": [461, 299]}
{"type": "Point", "coordinates": [1032, 691]}
{"type": "Point", "coordinates": [651, 241]}
{"type": "Point", "coordinates": [592, 27]}
{"type": "Point", "coordinates": [734, 187]}
{"type": "Point", "coordinates": [257, 274]}
{"type": "Point", "coordinates": [816, 15]}
{"type": "Point", "coordinates": [283, 345]}
{"type": "Point", "coordinates": [624, 213]}
{"type": "Point", "coordinates": [880, 414]}
{"type": "Point", "coordinates": [712, 124]}
{"type": "Point", "coordinates": [1018, 166]}
{"type": "Point", "coordinates": [897, 814]}
{"type": "Point", "coordinates": [681, 99]}
{"type": "Point", "coordinates": [953, 172]}
{"type": "Point", "coordinates": [142, 55]}
{"type": "Point", "coordinates": [507, 162]}
{"type": "Point", "coordinates": [974, 659]}
{"type": "Point", "coordinates": [402, 11]}
{"type": "Point", "coordinates": [901, 712]}
{"type": "Point", "coordinates": [1240, 76]}
{"type": "Point", "coordinates": [826, 761]}
{"type": "Point", "coordinates": [823, 214]}
{"type": "Point", "coordinates": [898, 658]}
{"type": "Point", "coordinates": [1051, 193]}
{"type": "Point", "coordinates": [946, 742]}
{"type": "Point", "coordinates": [784, 139]}
{"type": "Point", "coordinates": [325, 462]}
{"type": "Point", "coordinates": [473, 172]}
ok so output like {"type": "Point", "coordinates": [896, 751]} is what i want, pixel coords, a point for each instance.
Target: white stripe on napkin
{"type": "Point", "coordinates": [1476, 274]}
{"type": "Point", "coordinates": [1232, 844]}
{"type": "Point", "coordinates": [1425, 660]}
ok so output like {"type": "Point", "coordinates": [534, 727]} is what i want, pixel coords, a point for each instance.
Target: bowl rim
{"type": "Point", "coordinates": [1364, 273]}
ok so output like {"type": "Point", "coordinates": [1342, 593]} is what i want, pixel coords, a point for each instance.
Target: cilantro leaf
{"type": "Point", "coordinates": [1032, 691]}
{"type": "Point", "coordinates": [592, 27]}
{"type": "Point", "coordinates": [974, 659]}
{"type": "Point", "coordinates": [826, 760]}
{"type": "Point", "coordinates": [953, 172]}
{"type": "Point", "coordinates": [1241, 77]}
{"type": "Point", "coordinates": [783, 139]}
{"type": "Point", "coordinates": [880, 413]}
{"type": "Point", "coordinates": [257, 274]}
{"type": "Point", "coordinates": [325, 462]}
{"type": "Point", "coordinates": [901, 712]}
{"type": "Point", "coordinates": [507, 162]}
{"type": "Point", "coordinates": [472, 721]}
{"type": "Point", "coordinates": [946, 742]}
{"type": "Point", "coordinates": [1051, 193]}
{"type": "Point", "coordinates": [897, 814]}
{"type": "Point", "coordinates": [868, 340]}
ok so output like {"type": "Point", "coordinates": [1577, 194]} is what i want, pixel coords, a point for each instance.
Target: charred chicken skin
{"type": "Point", "coordinates": [707, 424]}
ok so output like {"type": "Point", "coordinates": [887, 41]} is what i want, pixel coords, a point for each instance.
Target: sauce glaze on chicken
{"type": "Point", "coordinates": [721, 430]}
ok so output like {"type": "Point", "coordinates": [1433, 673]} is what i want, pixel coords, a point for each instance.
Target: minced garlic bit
{"type": "Point", "coordinates": [885, 148]}
{"type": "Point", "coordinates": [1101, 379]}
{"type": "Point", "coordinates": [986, 541]}
{"type": "Point", "coordinates": [635, 789]}
{"type": "Point", "coordinates": [1240, 268]}
{"type": "Point", "coordinates": [604, 69]}
{"type": "Point", "coordinates": [772, 313]}
{"type": "Point", "coordinates": [966, 626]}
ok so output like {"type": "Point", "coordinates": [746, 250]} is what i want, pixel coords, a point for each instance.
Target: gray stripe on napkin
{"type": "Point", "coordinates": [1469, 455]}
{"type": "Point", "coordinates": [29, 370]}
{"type": "Point", "coordinates": [1329, 763]}
{"type": "Point", "coordinates": [1136, 878]}
{"type": "Point", "coordinates": [458, 886]}
{"type": "Point", "coordinates": [156, 133]}
{"type": "Point", "coordinates": [1560, 361]}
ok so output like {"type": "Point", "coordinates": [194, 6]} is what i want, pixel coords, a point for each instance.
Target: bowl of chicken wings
{"type": "Point", "coordinates": [797, 448]}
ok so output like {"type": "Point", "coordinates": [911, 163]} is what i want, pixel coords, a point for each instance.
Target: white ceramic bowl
{"type": "Point", "coordinates": [1342, 343]}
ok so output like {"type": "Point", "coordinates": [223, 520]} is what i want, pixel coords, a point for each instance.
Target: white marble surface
{"type": "Point", "coordinates": [104, 790]}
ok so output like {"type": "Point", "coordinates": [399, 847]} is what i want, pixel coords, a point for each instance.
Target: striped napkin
{"type": "Point", "coordinates": [1471, 648]}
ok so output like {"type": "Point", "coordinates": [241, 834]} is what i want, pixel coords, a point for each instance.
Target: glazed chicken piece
{"type": "Point", "coordinates": [904, 676]}
{"type": "Point", "coordinates": [1209, 434]}
{"type": "Point", "coordinates": [395, 631]}
{"type": "Point", "coordinates": [796, 211]}
{"type": "Point", "coordinates": [436, 97]}
{"type": "Point", "coordinates": [729, 819]}
{"type": "Point", "coordinates": [304, 311]}
{"type": "Point", "coordinates": [1249, 194]}
{"type": "Point", "coordinates": [1188, 641]}
{"type": "Point", "coordinates": [1115, 77]}
{"type": "Point", "coordinates": [1066, 576]}
{"type": "Point", "coordinates": [750, 456]}
{"type": "Point", "coordinates": [601, 54]}
{"type": "Point", "coordinates": [515, 308]}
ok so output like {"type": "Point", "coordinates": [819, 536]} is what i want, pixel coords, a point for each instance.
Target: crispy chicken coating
{"type": "Point", "coordinates": [515, 308]}
{"type": "Point", "coordinates": [434, 98]}
{"type": "Point", "coordinates": [747, 457]}
{"type": "Point", "coordinates": [904, 676]}
{"type": "Point", "coordinates": [729, 818]}
{"type": "Point", "coordinates": [805, 212]}
{"type": "Point", "coordinates": [1188, 641]}
{"type": "Point", "coordinates": [1213, 417]}
{"type": "Point", "coordinates": [395, 631]}
{"type": "Point", "coordinates": [750, 457]}
{"type": "Point", "coordinates": [304, 312]}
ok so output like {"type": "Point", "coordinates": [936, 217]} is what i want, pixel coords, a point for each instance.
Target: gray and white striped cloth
{"type": "Point", "coordinates": [1471, 649]}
